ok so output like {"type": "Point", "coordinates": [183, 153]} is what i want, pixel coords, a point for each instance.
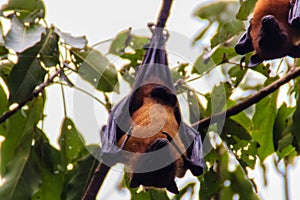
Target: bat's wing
{"type": "Point", "coordinates": [294, 14]}
{"type": "Point", "coordinates": [244, 45]}
{"type": "Point", "coordinates": [194, 154]}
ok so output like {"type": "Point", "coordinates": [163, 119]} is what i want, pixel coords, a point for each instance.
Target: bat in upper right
{"type": "Point", "coordinates": [274, 31]}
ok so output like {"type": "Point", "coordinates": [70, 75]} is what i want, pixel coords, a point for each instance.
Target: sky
{"type": "Point", "coordinates": [100, 20]}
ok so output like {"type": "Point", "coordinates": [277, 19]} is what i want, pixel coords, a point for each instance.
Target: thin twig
{"type": "Point", "coordinates": [96, 182]}
{"type": "Point", "coordinates": [293, 73]}
{"type": "Point", "coordinates": [35, 93]}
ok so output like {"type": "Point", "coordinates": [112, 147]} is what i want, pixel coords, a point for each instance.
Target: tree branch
{"type": "Point", "coordinates": [35, 93]}
{"type": "Point", "coordinates": [164, 13]}
{"type": "Point", "coordinates": [96, 182]}
{"type": "Point", "coordinates": [293, 73]}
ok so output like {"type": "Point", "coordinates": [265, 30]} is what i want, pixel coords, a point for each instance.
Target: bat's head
{"type": "Point", "coordinates": [160, 178]}
{"type": "Point", "coordinates": [273, 39]}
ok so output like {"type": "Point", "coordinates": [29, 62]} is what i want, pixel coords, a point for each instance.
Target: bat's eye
{"type": "Point", "coordinates": [159, 143]}
{"type": "Point", "coordinates": [283, 37]}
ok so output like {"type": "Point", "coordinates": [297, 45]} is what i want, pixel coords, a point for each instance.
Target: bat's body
{"type": "Point", "coordinates": [156, 116]}
{"type": "Point", "coordinates": [271, 33]}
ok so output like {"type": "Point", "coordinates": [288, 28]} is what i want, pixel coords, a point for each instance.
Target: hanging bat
{"type": "Point", "coordinates": [273, 32]}
{"type": "Point", "coordinates": [145, 130]}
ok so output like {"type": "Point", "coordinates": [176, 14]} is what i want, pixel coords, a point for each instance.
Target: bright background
{"type": "Point", "coordinates": [100, 20]}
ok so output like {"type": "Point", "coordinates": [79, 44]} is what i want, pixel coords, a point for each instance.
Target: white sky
{"type": "Point", "coordinates": [100, 20]}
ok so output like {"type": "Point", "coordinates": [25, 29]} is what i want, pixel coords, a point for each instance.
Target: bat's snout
{"type": "Point", "coordinates": [268, 20]}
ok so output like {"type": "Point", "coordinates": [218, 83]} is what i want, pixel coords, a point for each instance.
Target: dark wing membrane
{"type": "Point", "coordinates": [294, 14]}
{"type": "Point", "coordinates": [244, 45]}
{"type": "Point", "coordinates": [194, 154]}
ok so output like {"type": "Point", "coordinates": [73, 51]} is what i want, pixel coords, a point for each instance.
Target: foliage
{"type": "Point", "coordinates": [32, 168]}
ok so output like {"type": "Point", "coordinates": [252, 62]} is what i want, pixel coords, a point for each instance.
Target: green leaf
{"type": "Point", "coordinates": [49, 51]}
{"type": "Point", "coordinates": [245, 9]}
{"type": "Point", "coordinates": [236, 75]}
{"type": "Point", "coordinates": [232, 128]}
{"type": "Point", "coordinates": [217, 99]}
{"type": "Point", "coordinates": [5, 68]}
{"type": "Point", "coordinates": [196, 109]}
{"type": "Point", "coordinates": [15, 153]}
{"type": "Point", "coordinates": [223, 54]}
{"type": "Point", "coordinates": [263, 123]}
{"type": "Point", "coordinates": [126, 39]}
{"type": "Point", "coordinates": [48, 167]}
{"type": "Point", "coordinates": [282, 125]}
{"type": "Point", "coordinates": [295, 127]}
{"type": "Point", "coordinates": [233, 181]}
{"type": "Point", "coordinates": [21, 37]}
{"type": "Point", "coordinates": [203, 65]}
{"type": "Point", "coordinates": [25, 75]}
{"type": "Point", "coordinates": [227, 31]}
{"type": "Point", "coordinates": [209, 184]}
{"type": "Point", "coordinates": [96, 69]}
{"type": "Point", "coordinates": [76, 42]}
{"type": "Point", "coordinates": [28, 72]}
{"type": "Point", "coordinates": [221, 11]}
{"type": "Point", "coordinates": [80, 179]}
{"type": "Point", "coordinates": [28, 11]}
{"type": "Point", "coordinates": [71, 142]}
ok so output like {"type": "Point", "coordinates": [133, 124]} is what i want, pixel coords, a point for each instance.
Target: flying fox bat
{"type": "Point", "coordinates": [145, 130]}
{"type": "Point", "coordinates": [273, 32]}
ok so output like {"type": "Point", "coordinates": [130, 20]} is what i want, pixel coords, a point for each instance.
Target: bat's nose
{"type": "Point", "coordinates": [268, 20]}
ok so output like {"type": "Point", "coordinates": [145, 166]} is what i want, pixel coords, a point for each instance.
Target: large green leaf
{"type": "Point", "coordinates": [96, 69]}
{"type": "Point", "coordinates": [25, 75]}
{"type": "Point", "coordinates": [48, 167]}
{"type": "Point", "coordinates": [80, 178]}
{"type": "Point", "coordinates": [71, 142]}
{"type": "Point", "coordinates": [28, 72]}
{"type": "Point", "coordinates": [15, 153]}
{"type": "Point", "coordinates": [263, 124]}
{"type": "Point", "coordinates": [209, 184]}
{"type": "Point", "coordinates": [21, 37]}
{"type": "Point", "coordinates": [234, 182]}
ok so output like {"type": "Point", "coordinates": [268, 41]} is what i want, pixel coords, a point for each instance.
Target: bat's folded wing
{"type": "Point", "coordinates": [294, 14]}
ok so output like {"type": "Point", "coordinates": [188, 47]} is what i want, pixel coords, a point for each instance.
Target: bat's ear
{"type": "Point", "coordinates": [294, 14]}
{"type": "Point", "coordinates": [244, 45]}
{"type": "Point", "coordinates": [172, 187]}
{"type": "Point", "coordinates": [255, 60]}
